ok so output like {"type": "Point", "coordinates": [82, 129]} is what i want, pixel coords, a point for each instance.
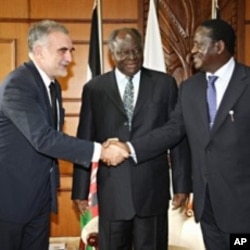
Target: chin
{"type": "Point", "coordinates": [197, 66]}
{"type": "Point", "coordinates": [63, 73]}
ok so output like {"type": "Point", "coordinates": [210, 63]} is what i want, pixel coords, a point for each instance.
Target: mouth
{"type": "Point", "coordinates": [64, 66]}
{"type": "Point", "coordinates": [196, 59]}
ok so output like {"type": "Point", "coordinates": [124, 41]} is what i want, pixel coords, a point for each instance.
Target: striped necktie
{"type": "Point", "coordinates": [128, 100]}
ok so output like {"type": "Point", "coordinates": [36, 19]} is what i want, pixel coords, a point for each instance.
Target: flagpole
{"type": "Point", "coordinates": [99, 13]}
{"type": "Point", "coordinates": [214, 9]}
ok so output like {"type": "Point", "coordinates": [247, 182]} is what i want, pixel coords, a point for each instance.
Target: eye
{"type": "Point", "coordinates": [137, 51]}
{"type": "Point", "coordinates": [64, 50]}
{"type": "Point", "coordinates": [127, 53]}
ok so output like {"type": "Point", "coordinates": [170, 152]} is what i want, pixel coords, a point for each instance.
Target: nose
{"type": "Point", "coordinates": [68, 56]}
{"type": "Point", "coordinates": [132, 54]}
{"type": "Point", "coordinates": [193, 50]}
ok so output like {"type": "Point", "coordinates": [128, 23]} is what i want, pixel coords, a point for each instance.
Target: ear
{"type": "Point", "coordinates": [220, 45]}
{"type": "Point", "coordinates": [37, 50]}
{"type": "Point", "coordinates": [111, 55]}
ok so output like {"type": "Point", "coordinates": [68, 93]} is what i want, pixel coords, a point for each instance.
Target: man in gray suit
{"type": "Point", "coordinates": [30, 140]}
{"type": "Point", "coordinates": [133, 198]}
{"type": "Point", "coordinates": [220, 148]}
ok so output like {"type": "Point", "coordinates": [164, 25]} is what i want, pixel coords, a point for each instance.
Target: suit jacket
{"type": "Point", "coordinates": [130, 188]}
{"type": "Point", "coordinates": [29, 146]}
{"type": "Point", "coordinates": [220, 157]}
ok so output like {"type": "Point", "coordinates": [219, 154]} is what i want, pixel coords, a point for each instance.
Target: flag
{"type": "Point", "coordinates": [89, 221]}
{"type": "Point", "coordinates": [153, 51]}
{"type": "Point", "coordinates": [215, 13]}
{"type": "Point", "coordinates": [95, 46]}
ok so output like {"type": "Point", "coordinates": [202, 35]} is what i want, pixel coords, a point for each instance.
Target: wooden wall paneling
{"type": "Point", "coordinates": [58, 9]}
{"type": "Point", "coordinates": [247, 10]}
{"type": "Point", "coordinates": [17, 32]}
{"type": "Point", "coordinates": [247, 33]}
{"type": "Point", "coordinates": [7, 56]}
{"type": "Point", "coordinates": [82, 9]}
{"type": "Point", "coordinates": [117, 10]}
{"type": "Point", "coordinates": [240, 30]}
{"type": "Point", "coordinates": [66, 222]}
{"type": "Point", "coordinates": [14, 9]}
{"type": "Point", "coordinates": [247, 42]}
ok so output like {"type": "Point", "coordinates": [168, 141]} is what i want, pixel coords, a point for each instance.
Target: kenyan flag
{"type": "Point", "coordinates": [89, 221]}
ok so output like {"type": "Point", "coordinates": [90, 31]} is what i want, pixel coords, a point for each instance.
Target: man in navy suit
{"type": "Point", "coordinates": [133, 198]}
{"type": "Point", "coordinates": [220, 149]}
{"type": "Point", "coordinates": [30, 142]}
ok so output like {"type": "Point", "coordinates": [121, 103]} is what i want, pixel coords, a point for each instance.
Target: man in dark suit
{"type": "Point", "coordinates": [220, 148]}
{"type": "Point", "coordinates": [30, 142]}
{"type": "Point", "coordinates": [133, 198]}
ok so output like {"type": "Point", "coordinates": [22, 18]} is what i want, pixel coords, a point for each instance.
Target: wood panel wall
{"type": "Point", "coordinates": [178, 20]}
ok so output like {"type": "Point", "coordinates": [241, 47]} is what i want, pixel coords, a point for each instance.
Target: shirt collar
{"type": "Point", "coordinates": [120, 76]}
{"type": "Point", "coordinates": [44, 76]}
{"type": "Point", "coordinates": [225, 72]}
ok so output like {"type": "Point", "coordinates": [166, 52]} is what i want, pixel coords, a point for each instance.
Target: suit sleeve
{"type": "Point", "coordinates": [170, 136]}
{"type": "Point", "coordinates": [25, 107]}
{"type": "Point", "coordinates": [161, 139]}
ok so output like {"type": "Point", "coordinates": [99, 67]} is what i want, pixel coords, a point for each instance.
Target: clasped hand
{"type": "Point", "coordinates": [114, 152]}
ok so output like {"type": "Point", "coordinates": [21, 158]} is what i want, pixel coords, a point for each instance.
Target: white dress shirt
{"type": "Point", "coordinates": [122, 80]}
{"type": "Point", "coordinates": [224, 75]}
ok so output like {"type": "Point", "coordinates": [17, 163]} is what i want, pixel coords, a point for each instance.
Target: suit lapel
{"type": "Point", "coordinates": [234, 90]}
{"type": "Point", "coordinates": [45, 102]}
{"type": "Point", "coordinates": [112, 91]}
{"type": "Point", "coordinates": [200, 96]}
{"type": "Point", "coordinates": [144, 90]}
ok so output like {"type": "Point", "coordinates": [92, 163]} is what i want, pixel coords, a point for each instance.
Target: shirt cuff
{"type": "Point", "coordinates": [97, 152]}
{"type": "Point", "coordinates": [132, 151]}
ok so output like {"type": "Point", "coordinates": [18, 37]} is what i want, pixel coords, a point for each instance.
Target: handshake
{"type": "Point", "coordinates": [114, 152]}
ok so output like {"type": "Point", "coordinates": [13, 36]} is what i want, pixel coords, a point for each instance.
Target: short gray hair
{"type": "Point", "coordinates": [132, 31]}
{"type": "Point", "coordinates": [38, 32]}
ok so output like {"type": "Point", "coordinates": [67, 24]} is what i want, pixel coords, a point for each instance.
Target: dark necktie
{"type": "Point", "coordinates": [52, 88]}
{"type": "Point", "coordinates": [128, 100]}
{"type": "Point", "coordinates": [211, 99]}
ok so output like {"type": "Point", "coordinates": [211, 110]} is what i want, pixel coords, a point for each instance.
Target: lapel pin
{"type": "Point", "coordinates": [231, 113]}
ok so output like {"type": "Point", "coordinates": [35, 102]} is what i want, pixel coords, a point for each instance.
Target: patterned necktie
{"type": "Point", "coordinates": [52, 89]}
{"type": "Point", "coordinates": [211, 99]}
{"type": "Point", "coordinates": [128, 100]}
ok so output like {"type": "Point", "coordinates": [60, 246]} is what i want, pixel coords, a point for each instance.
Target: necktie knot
{"type": "Point", "coordinates": [212, 79]}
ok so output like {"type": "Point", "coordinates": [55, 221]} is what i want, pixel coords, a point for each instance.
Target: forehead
{"type": "Point", "coordinates": [202, 33]}
{"type": "Point", "coordinates": [59, 39]}
{"type": "Point", "coordinates": [126, 40]}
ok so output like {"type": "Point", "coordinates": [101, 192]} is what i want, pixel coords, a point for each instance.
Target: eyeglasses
{"type": "Point", "coordinates": [128, 53]}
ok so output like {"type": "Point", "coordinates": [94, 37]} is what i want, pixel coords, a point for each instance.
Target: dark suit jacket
{"type": "Point", "coordinates": [29, 145]}
{"type": "Point", "coordinates": [220, 157]}
{"type": "Point", "coordinates": [131, 189]}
